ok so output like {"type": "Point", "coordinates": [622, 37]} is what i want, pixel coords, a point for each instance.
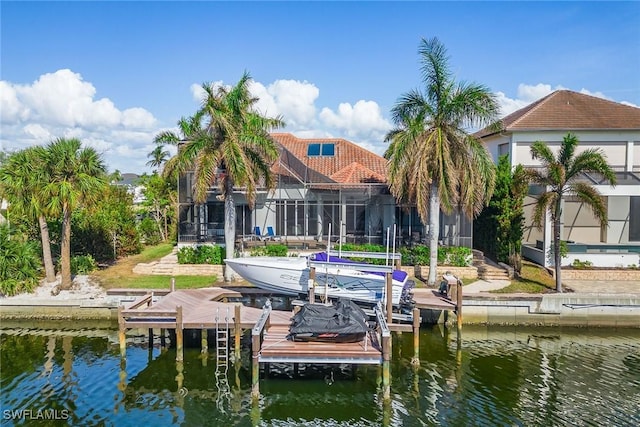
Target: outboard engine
{"type": "Point", "coordinates": [406, 297]}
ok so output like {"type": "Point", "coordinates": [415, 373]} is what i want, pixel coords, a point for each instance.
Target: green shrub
{"type": "Point", "coordinates": [201, 254]}
{"type": "Point", "coordinates": [458, 256]}
{"type": "Point", "coordinates": [149, 232]}
{"type": "Point", "coordinates": [20, 263]}
{"type": "Point", "coordinates": [80, 264]}
{"type": "Point", "coordinates": [83, 264]}
{"type": "Point", "coordinates": [581, 265]}
{"type": "Point", "coordinates": [270, 250]}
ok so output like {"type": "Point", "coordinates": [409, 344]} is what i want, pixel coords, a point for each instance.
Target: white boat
{"type": "Point", "coordinates": [335, 277]}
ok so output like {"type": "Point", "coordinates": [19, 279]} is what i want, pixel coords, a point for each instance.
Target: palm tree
{"type": "Point", "coordinates": [560, 176]}
{"type": "Point", "coordinates": [23, 176]}
{"type": "Point", "coordinates": [228, 144]}
{"type": "Point", "coordinates": [433, 161]}
{"type": "Point", "coordinates": [77, 176]}
{"type": "Point", "coordinates": [158, 157]}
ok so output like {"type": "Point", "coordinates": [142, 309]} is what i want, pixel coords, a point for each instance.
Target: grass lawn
{"type": "Point", "coordinates": [120, 274]}
{"type": "Point", "coordinates": [534, 279]}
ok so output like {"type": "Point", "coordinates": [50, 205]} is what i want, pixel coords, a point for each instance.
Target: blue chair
{"type": "Point", "coordinates": [271, 235]}
{"type": "Point", "coordinates": [257, 232]}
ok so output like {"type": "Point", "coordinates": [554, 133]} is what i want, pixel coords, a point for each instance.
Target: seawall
{"type": "Point", "coordinates": [580, 310]}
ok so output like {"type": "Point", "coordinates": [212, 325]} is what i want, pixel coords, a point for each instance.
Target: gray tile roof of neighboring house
{"type": "Point", "coordinates": [568, 110]}
{"type": "Point", "coordinates": [349, 164]}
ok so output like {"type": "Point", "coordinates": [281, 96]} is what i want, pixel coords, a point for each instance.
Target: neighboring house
{"type": "Point", "coordinates": [598, 123]}
{"type": "Point", "coordinates": [320, 182]}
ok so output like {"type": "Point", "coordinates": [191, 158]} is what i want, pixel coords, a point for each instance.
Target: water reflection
{"type": "Point", "coordinates": [492, 376]}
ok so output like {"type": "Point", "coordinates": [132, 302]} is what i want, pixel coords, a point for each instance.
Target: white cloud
{"type": "Point", "coordinates": [63, 104]}
{"type": "Point", "coordinates": [37, 131]}
{"type": "Point", "coordinates": [292, 99]}
{"type": "Point", "coordinates": [526, 94]}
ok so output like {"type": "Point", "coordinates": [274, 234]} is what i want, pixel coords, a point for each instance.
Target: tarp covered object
{"type": "Point", "coordinates": [343, 321]}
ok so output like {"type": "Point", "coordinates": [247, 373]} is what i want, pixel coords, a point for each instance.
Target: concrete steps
{"type": "Point", "coordinates": [487, 269]}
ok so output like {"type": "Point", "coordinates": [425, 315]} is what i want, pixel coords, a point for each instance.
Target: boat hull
{"type": "Point", "coordinates": [290, 276]}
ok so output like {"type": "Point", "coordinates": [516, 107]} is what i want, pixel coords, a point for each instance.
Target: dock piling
{"type": "Point", "coordinates": [179, 335]}
{"type": "Point", "coordinates": [459, 306]}
{"type": "Point", "coordinates": [312, 279]}
{"type": "Point", "coordinates": [237, 330]}
{"type": "Point", "coordinates": [122, 336]}
{"type": "Point", "coordinates": [416, 337]}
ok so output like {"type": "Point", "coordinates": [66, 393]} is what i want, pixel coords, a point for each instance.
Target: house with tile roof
{"type": "Point", "coordinates": [325, 186]}
{"type": "Point", "coordinates": [598, 123]}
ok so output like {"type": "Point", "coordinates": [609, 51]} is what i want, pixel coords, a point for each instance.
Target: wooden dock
{"type": "Point", "coordinates": [206, 309]}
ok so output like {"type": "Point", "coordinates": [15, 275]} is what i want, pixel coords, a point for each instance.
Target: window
{"type": "Point", "coordinates": [328, 149]}
{"type": "Point", "coordinates": [503, 149]}
{"type": "Point", "coordinates": [313, 150]}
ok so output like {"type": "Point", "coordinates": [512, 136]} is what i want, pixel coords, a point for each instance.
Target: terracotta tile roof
{"type": "Point", "coordinates": [568, 110]}
{"type": "Point", "coordinates": [350, 164]}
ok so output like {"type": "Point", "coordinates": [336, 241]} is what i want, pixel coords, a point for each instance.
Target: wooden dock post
{"type": "Point", "coordinates": [173, 284]}
{"type": "Point", "coordinates": [255, 367]}
{"type": "Point", "coordinates": [122, 336]}
{"type": "Point", "coordinates": [179, 336]}
{"type": "Point", "coordinates": [386, 368]}
{"type": "Point", "coordinates": [163, 339]}
{"type": "Point", "coordinates": [312, 279]}
{"type": "Point", "coordinates": [416, 337]}
{"type": "Point", "coordinates": [459, 306]}
{"type": "Point", "coordinates": [204, 342]}
{"type": "Point", "coordinates": [237, 330]}
{"type": "Point", "coordinates": [386, 352]}
{"type": "Point", "coordinates": [389, 291]}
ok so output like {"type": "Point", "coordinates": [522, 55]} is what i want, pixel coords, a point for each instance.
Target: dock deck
{"type": "Point", "coordinates": [276, 348]}
{"type": "Point", "coordinates": [203, 308]}
{"type": "Point", "coordinates": [431, 299]}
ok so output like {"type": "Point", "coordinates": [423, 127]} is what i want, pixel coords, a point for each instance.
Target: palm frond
{"type": "Point", "coordinates": [588, 195]}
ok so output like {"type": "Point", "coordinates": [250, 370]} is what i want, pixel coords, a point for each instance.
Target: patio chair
{"type": "Point", "coordinates": [270, 234]}
{"type": "Point", "coordinates": [257, 233]}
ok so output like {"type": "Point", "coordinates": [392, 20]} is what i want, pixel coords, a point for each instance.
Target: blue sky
{"type": "Point", "coordinates": [116, 73]}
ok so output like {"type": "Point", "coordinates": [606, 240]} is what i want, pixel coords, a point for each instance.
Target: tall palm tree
{"type": "Point", "coordinates": [77, 176]}
{"type": "Point", "coordinates": [228, 145]}
{"type": "Point", "coordinates": [158, 157]}
{"type": "Point", "coordinates": [23, 176]}
{"type": "Point", "coordinates": [433, 160]}
{"type": "Point", "coordinates": [561, 176]}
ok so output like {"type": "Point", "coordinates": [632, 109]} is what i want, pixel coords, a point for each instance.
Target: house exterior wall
{"type": "Point", "coordinates": [622, 149]}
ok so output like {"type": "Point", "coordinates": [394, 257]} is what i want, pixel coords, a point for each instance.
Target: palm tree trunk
{"type": "Point", "coordinates": [47, 259]}
{"type": "Point", "coordinates": [229, 225]}
{"type": "Point", "coordinates": [434, 229]}
{"type": "Point", "coordinates": [557, 256]}
{"type": "Point", "coordinates": [65, 248]}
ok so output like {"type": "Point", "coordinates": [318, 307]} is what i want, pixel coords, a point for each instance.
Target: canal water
{"type": "Point", "coordinates": [71, 374]}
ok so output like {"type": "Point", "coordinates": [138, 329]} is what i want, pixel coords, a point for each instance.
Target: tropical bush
{"type": "Point", "coordinates": [83, 264]}
{"type": "Point", "coordinates": [416, 255]}
{"type": "Point", "coordinates": [581, 265]}
{"type": "Point", "coordinates": [202, 254]}
{"type": "Point", "coordinates": [107, 230]}
{"type": "Point", "coordinates": [20, 263]}
{"type": "Point", "coordinates": [149, 232]}
{"type": "Point", "coordinates": [270, 250]}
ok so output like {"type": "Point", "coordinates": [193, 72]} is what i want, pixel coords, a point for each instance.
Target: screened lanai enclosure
{"type": "Point", "coordinates": [307, 207]}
